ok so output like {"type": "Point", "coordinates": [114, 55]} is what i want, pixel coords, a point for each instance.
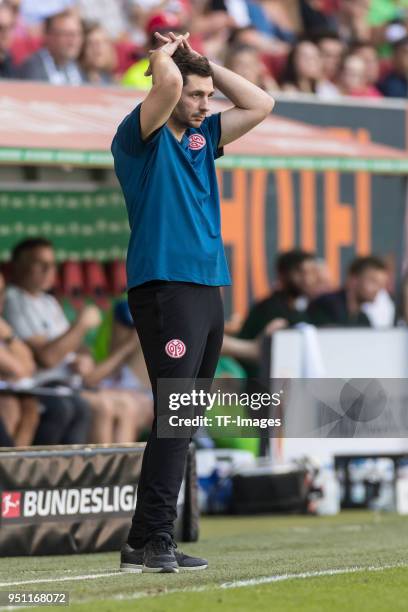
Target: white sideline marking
{"type": "Point", "coordinates": [62, 579]}
{"type": "Point", "coordinates": [226, 585]}
{"type": "Point", "coordinates": [316, 574]}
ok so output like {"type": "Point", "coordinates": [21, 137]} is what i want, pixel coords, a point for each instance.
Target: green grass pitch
{"type": "Point", "coordinates": [356, 561]}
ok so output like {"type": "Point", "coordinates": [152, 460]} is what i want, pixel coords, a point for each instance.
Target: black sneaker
{"type": "Point", "coordinates": [185, 562]}
{"type": "Point", "coordinates": [131, 560]}
{"type": "Point", "coordinates": [159, 554]}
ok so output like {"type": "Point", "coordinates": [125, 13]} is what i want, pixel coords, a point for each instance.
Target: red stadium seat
{"type": "Point", "coordinates": [117, 277]}
{"type": "Point", "coordinates": [72, 282]}
{"type": "Point", "coordinates": [96, 284]}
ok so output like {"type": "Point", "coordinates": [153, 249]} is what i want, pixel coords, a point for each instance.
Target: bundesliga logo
{"type": "Point", "coordinates": [10, 504]}
{"type": "Point", "coordinates": [196, 141]}
{"type": "Point", "coordinates": [175, 348]}
{"type": "Point", "coordinates": [67, 502]}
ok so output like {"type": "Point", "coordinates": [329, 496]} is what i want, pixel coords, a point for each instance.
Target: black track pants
{"type": "Point", "coordinates": [165, 312]}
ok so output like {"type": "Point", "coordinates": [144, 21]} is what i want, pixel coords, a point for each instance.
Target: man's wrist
{"type": "Point", "coordinates": [159, 54]}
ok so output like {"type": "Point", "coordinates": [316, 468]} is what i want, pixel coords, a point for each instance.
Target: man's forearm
{"type": "Point", "coordinates": [164, 70]}
{"type": "Point", "coordinates": [240, 348]}
{"type": "Point", "coordinates": [53, 352]}
{"type": "Point", "coordinates": [238, 90]}
{"type": "Point", "coordinates": [10, 367]}
{"type": "Point", "coordinates": [110, 365]}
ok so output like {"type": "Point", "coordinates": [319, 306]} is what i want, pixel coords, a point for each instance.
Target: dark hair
{"type": "Point", "coordinates": [291, 260]}
{"type": "Point", "coordinates": [88, 27]}
{"type": "Point", "coordinates": [289, 74]}
{"type": "Point", "coordinates": [361, 44]}
{"type": "Point", "coordinates": [236, 49]}
{"type": "Point", "coordinates": [318, 35]}
{"type": "Point", "coordinates": [91, 26]}
{"type": "Point", "coordinates": [27, 245]}
{"type": "Point", "coordinates": [191, 64]}
{"type": "Point", "coordinates": [235, 33]}
{"type": "Point", "coordinates": [48, 21]}
{"type": "Point", "coordinates": [361, 264]}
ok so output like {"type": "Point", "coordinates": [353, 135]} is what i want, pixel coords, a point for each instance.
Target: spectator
{"type": "Point", "coordinates": [316, 17]}
{"type": "Point", "coordinates": [395, 84]}
{"type": "Point", "coordinates": [250, 36]}
{"type": "Point", "coordinates": [352, 20]}
{"type": "Point", "coordinates": [135, 75]}
{"type": "Point", "coordinates": [365, 284]}
{"type": "Point", "coordinates": [353, 80]}
{"type": "Point", "coordinates": [331, 49]}
{"type": "Point", "coordinates": [285, 14]}
{"type": "Point", "coordinates": [141, 12]}
{"type": "Point", "coordinates": [8, 69]}
{"type": "Point", "coordinates": [122, 327]}
{"type": "Point", "coordinates": [122, 377]}
{"type": "Point", "coordinates": [34, 12]}
{"type": "Point", "coordinates": [304, 71]}
{"type": "Point", "coordinates": [37, 317]}
{"type": "Point", "coordinates": [25, 42]}
{"type": "Point", "coordinates": [56, 62]}
{"type": "Point", "coordinates": [109, 13]}
{"type": "Point", "coordinates": [368, 53]}
{"type": "Point", "coordinates": [246, 61]}
{"type": "Point", "coordinates": [97, 57]}
{"type": "Point", "coordinates": [259, 19]}
{"type": "Point", "coordinates": [210, 31]}
{"type": "Point", "coordinates": [238, 10]}
{"type": "Point", "coordinates": [130, 381]}
{"type": "Point", "coordinates": [285, 306]}
{"type": "Point", "coordinates": [127, 408]}
{"type": "Point", "coordinates": [19, 416]}
{"type": "Point", "coordinates": [324, 281]}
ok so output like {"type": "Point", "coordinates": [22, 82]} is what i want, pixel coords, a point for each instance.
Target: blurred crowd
{"type": "Point", "coordinates": [62, 394]}
{"type": "Point", "coordinates": [305, 294]}
{"type": "Point", "coordinates": [328, 48]}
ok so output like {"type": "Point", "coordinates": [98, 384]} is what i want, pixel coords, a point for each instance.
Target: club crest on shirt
{"type": "Point", "coordinates": [196, 141]}
{"type": "Point", "coordinates": [175, 348]}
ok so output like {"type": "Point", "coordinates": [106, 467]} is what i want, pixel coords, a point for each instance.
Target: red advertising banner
{"type": "Point", "coordinates": [44, 124]}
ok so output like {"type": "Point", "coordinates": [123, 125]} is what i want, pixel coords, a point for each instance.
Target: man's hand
{"type": "Point", "coordinates": [274, 326]}
{"type": "Point", "coordinates": [171, 37]}
{"type": "Point", "coordinates": [5, 330]}
{"type": "Point", "coordinates": [168, 46]}
{"type": "Point", "coordinates": [90, 317]}
{"type": "Point", "coordinates": [83, 365]}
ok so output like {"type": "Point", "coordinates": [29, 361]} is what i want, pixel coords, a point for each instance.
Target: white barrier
{"type": "Point", "coordinates": [345, 353]}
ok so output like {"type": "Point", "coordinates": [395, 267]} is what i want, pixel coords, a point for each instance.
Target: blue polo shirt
{"type": "Point", "coordinates": [172, 200]}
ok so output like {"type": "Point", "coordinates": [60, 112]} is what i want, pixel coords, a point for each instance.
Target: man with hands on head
{"type": "Point", "coordinates": [164, 153]}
